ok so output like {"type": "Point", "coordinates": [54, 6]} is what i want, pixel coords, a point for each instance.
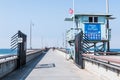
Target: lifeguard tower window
{"type": "Point", "coordinates": [90, 19]}
{"type": "Point", "coordinates": [93, 19]}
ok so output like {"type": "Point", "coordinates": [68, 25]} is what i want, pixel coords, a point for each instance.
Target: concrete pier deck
{"type": "Point", "coordinates": [51, 66]}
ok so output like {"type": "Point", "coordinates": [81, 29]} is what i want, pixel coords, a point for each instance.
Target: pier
{"type": "Point", "coordinates": [83, 52]}
{"type": "Point", "coordinates": [75, 62]}
{"type": "Point", "coordinates": [51, 65]}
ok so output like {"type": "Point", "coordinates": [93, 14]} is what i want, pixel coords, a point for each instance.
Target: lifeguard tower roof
{"type": "Point", "coordinates": [78, 15]}
{"type": "Point", "coordinates": [107, 15]}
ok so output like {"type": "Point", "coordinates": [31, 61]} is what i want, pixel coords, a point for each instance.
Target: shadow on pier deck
{"type": "Point", "coordinates": [23, 72]}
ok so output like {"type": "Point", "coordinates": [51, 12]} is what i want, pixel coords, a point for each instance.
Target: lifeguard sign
{"type": "Point", "coordinates": [93, 31]}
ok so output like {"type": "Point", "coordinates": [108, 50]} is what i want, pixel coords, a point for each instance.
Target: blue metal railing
{"type": "Point", "coordinates": [14, 42]}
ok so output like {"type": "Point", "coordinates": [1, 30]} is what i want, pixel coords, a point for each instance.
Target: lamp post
{"type": "Point", "coordinates": [31, 24]}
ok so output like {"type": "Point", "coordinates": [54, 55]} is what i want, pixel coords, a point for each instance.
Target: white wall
{"type": "Point", "coordinates": [101, 71]}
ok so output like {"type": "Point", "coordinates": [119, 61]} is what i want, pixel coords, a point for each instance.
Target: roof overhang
{"type": "Point", "coordinates": [108, 16]}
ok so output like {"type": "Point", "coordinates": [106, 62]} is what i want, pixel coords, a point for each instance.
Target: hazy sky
{"type": "Point", "coordinates": [48, 18]}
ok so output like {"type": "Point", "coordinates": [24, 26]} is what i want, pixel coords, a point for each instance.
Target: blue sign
{"type": "Point", "coordinates": [93, 31]}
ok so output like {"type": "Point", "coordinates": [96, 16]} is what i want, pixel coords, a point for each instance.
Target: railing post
{"type": "Point", "coordinates": [79, 50]}
{"type": "Point", "coordinates": [21, 51]}
{"type": "Point", "coordinates": [19, 43]}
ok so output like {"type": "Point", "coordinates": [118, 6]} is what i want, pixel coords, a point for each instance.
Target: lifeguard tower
{"type": "Point", "coordinates": [95, 28]}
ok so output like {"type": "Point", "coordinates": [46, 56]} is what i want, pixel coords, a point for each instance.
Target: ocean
{"type": "Point", "coordinates": [115, 50]}
{"type": "Point", "coordinates": [4, 52]}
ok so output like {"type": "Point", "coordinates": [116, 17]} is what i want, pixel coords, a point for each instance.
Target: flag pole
{"type": "Point", "coordinates": [107, 7]}
{"type": "Point", "coordinates": [73, 12]}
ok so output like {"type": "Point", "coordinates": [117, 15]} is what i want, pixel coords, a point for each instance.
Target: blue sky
{"type": "Point", "coordinates": [48, 18]}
